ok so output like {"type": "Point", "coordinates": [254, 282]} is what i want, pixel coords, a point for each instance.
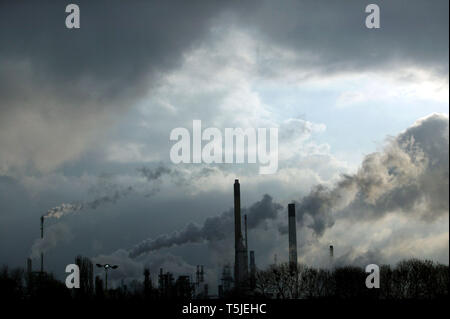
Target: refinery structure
{"type": "Point", "coordinates": [238, 279]}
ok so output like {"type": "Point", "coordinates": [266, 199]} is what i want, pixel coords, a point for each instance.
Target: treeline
{"type": "Point", "coordinates": [409, 279]}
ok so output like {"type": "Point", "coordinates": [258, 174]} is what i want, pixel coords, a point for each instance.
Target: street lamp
{"type": "Point", "coordinates": [107, 267]}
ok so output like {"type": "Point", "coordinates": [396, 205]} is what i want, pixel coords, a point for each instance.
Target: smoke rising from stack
{"type": "Point", "coordinates": [150, 174]}
{"type": "Point", "coordinates": [213, 229]}
{"type": "Point", "coordinates": [66, 208]}
{"type": "Point", "coordinates": [410, 175]}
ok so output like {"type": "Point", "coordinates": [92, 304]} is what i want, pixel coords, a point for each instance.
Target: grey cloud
{"type": "Point", "coordinates": [54, 235]}
{"type": "Point", "coordinates": [60, 89]}
{"type": "Point", "coordinates": [331, 37]}
{"type": "Point", "coordinates": [361, 259]}
{"type": "Point", "coordinates": [153, 174]}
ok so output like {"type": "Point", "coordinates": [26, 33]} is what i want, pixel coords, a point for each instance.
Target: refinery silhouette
{"type": "Point", "coordinates": [411, 278]}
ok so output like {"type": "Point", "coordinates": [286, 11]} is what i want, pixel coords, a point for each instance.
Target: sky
{"type": "Point", "coordinates": [86, 115]}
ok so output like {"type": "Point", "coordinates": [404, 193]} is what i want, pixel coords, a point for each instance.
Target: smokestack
{"type": "Point", "coordinates": [331, 252]}
{"type": "Point", "coordinates": [237, 214]}
{"type": "Point", "coordinates": [42, 237]}
{"type": "Point", "coordinates": [240, 256]}
{"type": "Point", "coordinates": [292, 236]}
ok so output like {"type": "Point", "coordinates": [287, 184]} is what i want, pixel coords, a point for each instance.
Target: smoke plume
{"type": "Point", "coordinates": [66, 208]}
{"type": "Point", "coordinates": [213, 229]}
{"type": "Point", "coordinates": [151, 175]}
{"type": "Point", "coordinates": [410, 176]}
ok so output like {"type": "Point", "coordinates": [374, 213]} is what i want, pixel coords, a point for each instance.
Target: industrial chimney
{"type": "Point", "coordinates": [42, 238]}
{"type": "Point", "coordinates": [237, 214]}
{"type": "Point", "coordinates": [331, 256]}
{"type": "Point", "coordinates": [240, 256]}
{"type": "Point", "coordinates": [292, 236]}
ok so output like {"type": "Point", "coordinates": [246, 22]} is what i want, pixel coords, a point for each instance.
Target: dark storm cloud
{"type": "Point", "coordinates": [117, 45]}
{"type": "Point", "coordinates": [60, 88]}
{"type": "Point", "coordinates": [331, 36]}
{"type": "Point", "coordinates": [214, 228]}
{"type": "Point", "coordinates": [410, 176]}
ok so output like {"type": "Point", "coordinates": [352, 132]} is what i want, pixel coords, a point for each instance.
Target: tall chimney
{"type": "Point", "coordinates": [331, 251]}
{"type": "Point", "coordinates": [292, 236]}
{"type": "Point", "coordinates": [237, 233]}
{"type": "Point", "coordinates": [42, 237]}
{"type": "Point", "coordinates": [240, 257]}
{"type": "Point", "coordinates": [237, 214]}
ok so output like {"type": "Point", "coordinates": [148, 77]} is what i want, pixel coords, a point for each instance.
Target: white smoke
{"type": "Point", "coordinates": [66, 208]}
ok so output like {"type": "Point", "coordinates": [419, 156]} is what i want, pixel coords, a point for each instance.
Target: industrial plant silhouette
{"type": "Point", "coordinates": [412, 278]}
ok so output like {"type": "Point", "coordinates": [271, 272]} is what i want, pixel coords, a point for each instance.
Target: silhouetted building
{"type": "Point", "coordinates": [86, 276]}
{"type": "Point", "coordinates": [183, 288]}
{"type": "Point", "coordinates": [147, 283]}
{"type": "Point", "coordinates": [165, 284]}
{"type": "Point", "coordinates": [227, 279]}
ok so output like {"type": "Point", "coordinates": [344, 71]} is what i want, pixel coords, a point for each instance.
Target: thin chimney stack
{"type": "Point", "coordinates": [292, 235]}
{"type": "Point", "coordinates": [240, 256]}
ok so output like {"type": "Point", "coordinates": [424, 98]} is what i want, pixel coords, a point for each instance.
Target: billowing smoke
{"type": "Point", "coordinates": [410, 176]}
{"type": "Point", "coordinates": [213, 229]}
{"type": "Point", "coordinates": [64, 209]}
